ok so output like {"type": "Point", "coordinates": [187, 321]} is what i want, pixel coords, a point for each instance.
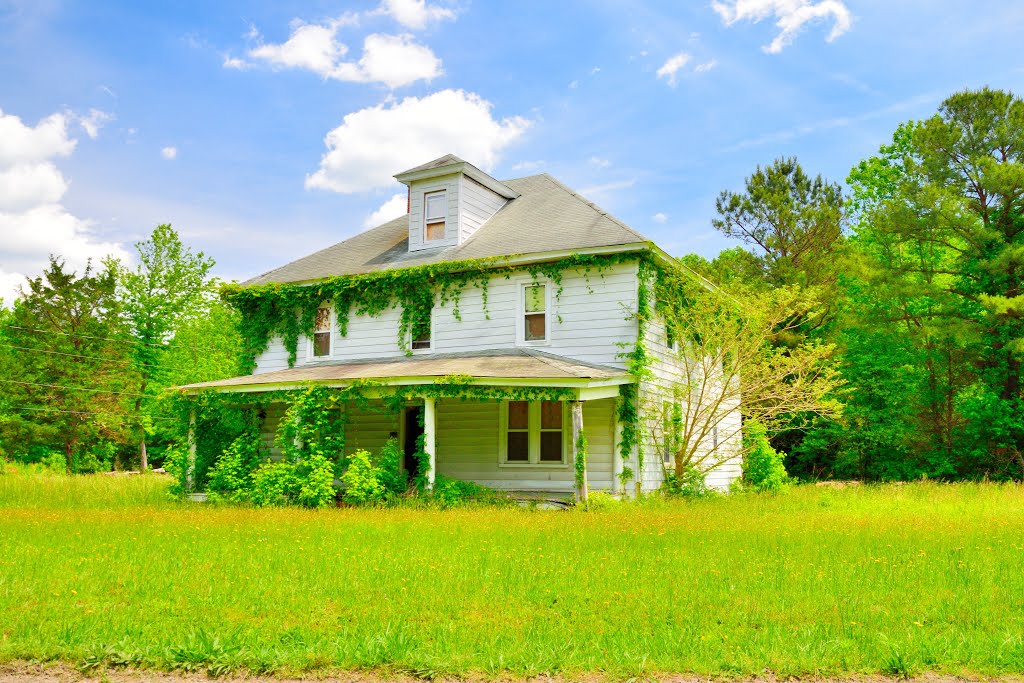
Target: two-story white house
{"type": "Point", "coordinates": [550, 296]}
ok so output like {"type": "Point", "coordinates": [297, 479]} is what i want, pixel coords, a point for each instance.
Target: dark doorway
{"type": "Point", "coordinates": [413, 431]}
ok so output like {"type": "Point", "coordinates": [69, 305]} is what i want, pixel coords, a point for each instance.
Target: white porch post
{"type": "Point", "coordinates": [579, 459]}
{"type": "Point", "coordinates": [617, 463]}
{"type": "Point", "coordinates": [190, 463]}
{"type": "Point", "coordinates": [429, 431]}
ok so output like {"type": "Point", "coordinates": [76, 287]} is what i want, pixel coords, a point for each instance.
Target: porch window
{"type": "Point", "coordinates": [322, 333]}
{"type": "Point", "coordinates": [535, 313]}
{"type": "Point", "coordinates": [435, 209]}
{"type": "Point", "coordinates": [533, 432]}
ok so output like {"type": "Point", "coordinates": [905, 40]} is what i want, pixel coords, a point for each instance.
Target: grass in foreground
{"type": "Point", "coordinates": [894, 579]}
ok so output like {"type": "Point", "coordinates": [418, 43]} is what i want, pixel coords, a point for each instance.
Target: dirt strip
{"type": "Point", "coordinates": [61, 673]}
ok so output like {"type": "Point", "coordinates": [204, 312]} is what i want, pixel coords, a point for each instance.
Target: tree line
{"type": "Point", "coordinates": [914, 276]}
{"type": "Point", "coordinates": [85, 356]}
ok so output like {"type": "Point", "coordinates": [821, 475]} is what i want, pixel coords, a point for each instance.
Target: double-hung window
{"type": "Point", "coordinates": [533, 433]}
{"type": "Point", "coordinates": [420, 330]}
{"type": "Point", "coordinates": [435, 209]}
{"type": "Point", "coordinates": [535, 313]}
{"type": "Point", "coordinates": [322, 333]}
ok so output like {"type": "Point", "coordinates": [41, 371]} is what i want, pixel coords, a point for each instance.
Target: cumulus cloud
{"type": "Point", "coordinates": [672, 66]}
{"type": "Point", "coordinates": [389, 210]}
{"type": "Point", "coordinates": [394, 60]}
{"type": "Point", "coordinates": [660, 218]}
{"type": "Point", "coordinates": [169, 153]}
{"type": "Point", "coordinates": [415, 14]}
{"type": "Point", "coordinates": [791, 16]}
{"type": "Point", "coordinates": [374, 143]}
{"type": "Point", "coordinates": [33, 223]}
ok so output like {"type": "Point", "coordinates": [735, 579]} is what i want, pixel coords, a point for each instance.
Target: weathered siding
{"type": "Point", "coordinates": [588, 322]}
{"type": "Point", "coordinates": [667, 371]}
{"type": "Point", "coordinates": [478, 205]}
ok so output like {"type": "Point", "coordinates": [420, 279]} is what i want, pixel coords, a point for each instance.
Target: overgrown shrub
{"type": "Point", "coordinates": [763, 470]}
{"type": "Point", "coordinates": [231, 475]}
{"type": "Point", "coordinates": [690, 484]}
{"type": "Point", "coordinates": [274, 483]}
{"type": "Point", "coordinates": [389, 462]}
{"type": "Point", "coordinates": [362, 480]}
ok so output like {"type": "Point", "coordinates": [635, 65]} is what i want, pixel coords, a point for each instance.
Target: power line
{"type": "Point", "coordinates": [75, 355]}
{"type": "Point", "coordinates": [112, 339]}
{"type": "Point", "coordinates": [78, 412]}
{"type": "Point", "coordinates": [61, 386]}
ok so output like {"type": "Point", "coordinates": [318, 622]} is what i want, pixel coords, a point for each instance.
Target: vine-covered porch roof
{"type": "Point", "coordinates": [501, 367]}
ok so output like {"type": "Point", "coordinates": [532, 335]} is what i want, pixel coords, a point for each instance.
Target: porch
{"type": "Point", "coordinates": [509, 420]}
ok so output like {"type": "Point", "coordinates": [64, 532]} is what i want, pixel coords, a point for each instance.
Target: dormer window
{"type": "Point", "coordinates": [436, 210]}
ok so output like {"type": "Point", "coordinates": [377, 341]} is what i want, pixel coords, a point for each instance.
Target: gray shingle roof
{"type": "Point", "coordinates": [548, 216]}
{"type": "Point", "coordinates": [487, 365]}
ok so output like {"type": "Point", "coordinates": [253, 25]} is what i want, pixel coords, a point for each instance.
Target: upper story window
{"type": "Point", "coordinates": [419, 332]}
{"type": "Point", "coordinates": [435, 210]}
{"type": "Point", "coordinates": [533, 433]}
{"type": "Point", "coordinates": [535, 313]}
{"type": "Point", "coordinates": [322, 333]}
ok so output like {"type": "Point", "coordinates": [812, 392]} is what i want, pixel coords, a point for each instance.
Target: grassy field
{"type": "Point", "coordinates": [895, 579]}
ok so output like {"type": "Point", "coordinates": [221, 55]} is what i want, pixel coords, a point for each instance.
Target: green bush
{"type": "Point", "coordinates": [389, 462]}
{"type": "Point", "coordinates": [689, 484]}
{"type": "Point", "coordinates": [362, 480]}
{"type": "Point", "coordinates": [230, 478]}
{"type": "Point", "coordinates": [274, 483]}
{"type": "Point", "coordinates": [763, 470]}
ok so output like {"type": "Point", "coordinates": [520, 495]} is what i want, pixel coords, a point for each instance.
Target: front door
{"type": "Point", "coordinates": [413, 430]}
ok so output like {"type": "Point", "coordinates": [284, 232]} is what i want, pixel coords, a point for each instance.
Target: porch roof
{"type": "Point", "coordinates": [520, 367]}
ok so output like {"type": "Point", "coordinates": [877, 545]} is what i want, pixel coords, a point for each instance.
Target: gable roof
{"type": "Point", "coordinates": [546, 217]}
{"type": "Point", "coordinates": [440, 162]}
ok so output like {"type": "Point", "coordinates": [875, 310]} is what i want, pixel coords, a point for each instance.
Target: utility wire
{"type": "Point", "coordinates": [119, 341]}
{"type": "Point", "coordinates": [79, 412]}
{"type": "Point", "coordinates": [75, 355]}
{"type": "Point", "coordinates": [61, 386]}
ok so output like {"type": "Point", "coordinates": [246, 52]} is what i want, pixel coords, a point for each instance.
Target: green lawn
{"type": "Point", "coordinates": [891, 579]}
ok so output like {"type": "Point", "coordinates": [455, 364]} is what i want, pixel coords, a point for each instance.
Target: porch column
{"type": "Point", "coordinates": [579, 453]}
{"type": "Point", "coordinates": [429, 431]}
{"type": "Point", "coordinates": [617, 463]}
{"type": "Point", "coordinates": [190, 463]}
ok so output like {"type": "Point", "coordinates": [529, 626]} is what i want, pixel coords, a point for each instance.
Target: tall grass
{"type": "Point", "coordinates": [894, 579]}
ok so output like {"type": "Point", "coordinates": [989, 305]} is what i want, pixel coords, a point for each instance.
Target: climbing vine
{"type": "Point", "coordinates": [289, 310]}
{"type": "Point", "coordinates": [581, 459]}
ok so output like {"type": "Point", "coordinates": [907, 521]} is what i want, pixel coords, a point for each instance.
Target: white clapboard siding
{"type": "Point", "coordinates": [667, 371]}
{"type": "Point", "coordinates": [451, 185]}
{"type": "Point", "coordinates": [590, 321]}
{"type": "Point", "coordinates": [478, 205]}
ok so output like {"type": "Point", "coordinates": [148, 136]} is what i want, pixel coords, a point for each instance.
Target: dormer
{"type": "Point", "coordinates": [449, 199]}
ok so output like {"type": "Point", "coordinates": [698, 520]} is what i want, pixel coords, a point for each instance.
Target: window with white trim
{"type": "Point", "coordinates": [535, 313]}
{"type": "Point", "coordinates": [435, 211]}
{"type": "Point", "coordinates": [322, 333]}
{"type": "Point", "coordinates": [533, 433]}
{"type": "Point", "coordinates": [420, 331]}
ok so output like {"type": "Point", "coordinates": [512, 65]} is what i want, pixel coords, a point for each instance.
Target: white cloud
{"type": "Point", "coordinates": [389, 210]}
{"type": "Point", "coordinates": [791, 16]}
{"type": "Point", "coordinates": [672, 66]}
{"type": "Point", "coordinates": [598, 162]}
{"type": "Point", "coordinates": [394, 60]}
{"type": "Point", "coordinates": [33, 223]}
{"type": "Point", "coordinates": [660, 218]}
{"type": "Point", "coordinates": [705, 67]}
{"type": "Point", "coordinates": [235, 63]}
{"type": "Point", "coordinates": [573, 85]}
{"type": "Point", "coordinates": [169, 153]}
{"type": "Point", "coordinates": [373, 144]}
{"type": "Point", "coordinates": [529, 165]}
{"type": "Point", "coordinates": [415, 14]}
{"type": "Point", "coordinates": [95, 120]}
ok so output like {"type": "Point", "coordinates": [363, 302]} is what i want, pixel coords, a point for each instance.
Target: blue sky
{"type": "Point", "coordinates": [266, 130]}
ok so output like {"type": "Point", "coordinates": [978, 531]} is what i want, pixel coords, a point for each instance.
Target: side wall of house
{"type": "Point", "coordinates": [478, 204]}
{"type": "Point", "coordinates": [669, 374]}
{"type": "Point", "coordinates": [589, 321]}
